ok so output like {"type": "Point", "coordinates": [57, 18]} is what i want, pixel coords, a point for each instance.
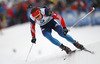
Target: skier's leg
{"type": "Point", "coordinates": [78, 45]}
{"type": "Point", "coordinates": [59, 30]}
{"type": "Point", "coordinates": [47, 33]}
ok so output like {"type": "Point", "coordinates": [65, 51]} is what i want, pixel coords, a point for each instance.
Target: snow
{"type": "Point", "coordinates": [15, 43]}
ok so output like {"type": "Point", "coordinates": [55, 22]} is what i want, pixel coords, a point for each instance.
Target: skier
{"type": "Point", "coordinates": [46, 19]}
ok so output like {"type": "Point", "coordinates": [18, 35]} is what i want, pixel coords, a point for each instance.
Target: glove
{"type": "Point", "coordinates": [33, 40]}
{"type": "Point", "coordinates": [65, 30]}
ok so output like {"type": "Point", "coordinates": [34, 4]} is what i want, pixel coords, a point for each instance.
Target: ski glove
{"type": "Point", "coordinates": [33, 40]}
{"type": "Point", "coordinates": [65, 30]}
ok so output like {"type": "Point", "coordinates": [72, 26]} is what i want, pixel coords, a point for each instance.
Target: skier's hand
{"type": "Point", "coordinates": [33, 40]}
{"type": "Point", "coordinates": [65, 30]}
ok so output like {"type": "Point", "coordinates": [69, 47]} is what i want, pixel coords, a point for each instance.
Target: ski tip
{"type": "Point", "coordinates": [89, 51]}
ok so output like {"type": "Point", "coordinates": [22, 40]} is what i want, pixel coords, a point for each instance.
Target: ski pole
{"type": "Point", "coordinates": [83, 17]}
{"type": "Point", "coordinates": [29, 52]}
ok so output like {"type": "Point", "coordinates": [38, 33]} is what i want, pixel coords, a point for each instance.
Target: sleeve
{"type": "Point", "coordinates": [32, 27]}
{"type": "Point", "coordinates": [58, 17]}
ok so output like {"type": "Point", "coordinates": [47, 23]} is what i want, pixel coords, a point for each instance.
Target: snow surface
{"type": "Point", "coordinates": [15, 43]}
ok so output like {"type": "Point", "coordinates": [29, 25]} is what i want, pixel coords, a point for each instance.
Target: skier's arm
{"type": "Point", "coordinates": [33, 31]}
{"type": "Point", "coordinates": [58, 17]}
{"type": "Point", "coordinates": [33, 34]}
{"type": "Point", "coordinates": [32, 27]}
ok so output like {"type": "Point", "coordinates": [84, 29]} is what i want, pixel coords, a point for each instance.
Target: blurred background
{"type": "Point", "coordinates": [15, 35]}
{"type": "Point", "coordinates": [14, 12]}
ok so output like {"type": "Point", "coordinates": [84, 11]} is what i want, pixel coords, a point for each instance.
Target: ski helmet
{"type": "Point", "coordinates": [35, 13]}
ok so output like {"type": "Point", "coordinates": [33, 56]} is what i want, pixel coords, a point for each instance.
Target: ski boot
{"type": "Point", "coordinates": [79, 46]}
{"type": "Point", "coordinates": [66, 49]}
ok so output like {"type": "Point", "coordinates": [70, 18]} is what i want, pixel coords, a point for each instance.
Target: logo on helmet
{"type": "Point", "coordinates": [34, 13]}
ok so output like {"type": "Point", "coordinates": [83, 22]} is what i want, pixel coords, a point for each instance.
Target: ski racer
{"type": "Point", "coordinates": [46, 19]}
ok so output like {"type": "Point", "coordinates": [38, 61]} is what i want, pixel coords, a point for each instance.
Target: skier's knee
{"type": "Point", "coordinates": [47, 35]}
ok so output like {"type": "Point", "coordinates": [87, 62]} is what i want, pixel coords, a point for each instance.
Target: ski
{"type": "Point", "coordinates": [86, 50]}
{"type": "Point", "coordinates": [89, 51]}
{"type": "Point", "coordinates": [70, 54]}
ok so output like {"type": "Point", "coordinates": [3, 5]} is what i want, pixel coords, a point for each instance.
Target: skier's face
{"type": "Point", "coordinates": [39, 17]}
